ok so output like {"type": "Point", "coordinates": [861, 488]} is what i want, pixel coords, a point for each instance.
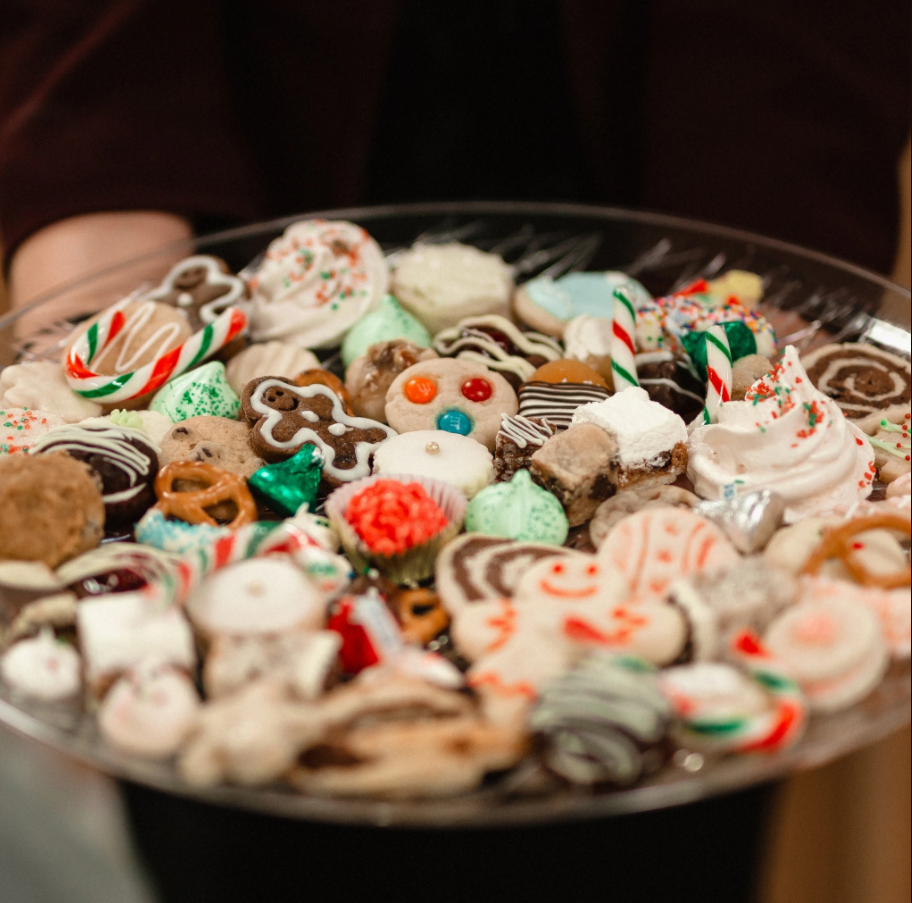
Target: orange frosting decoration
{"type": "Point", "coordinates": [392, 517]}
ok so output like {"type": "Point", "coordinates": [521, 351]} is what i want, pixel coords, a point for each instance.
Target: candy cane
{"type": "Point", "coordinates": [623, 350]}
{"type": "Point", "coordinates": [231, 323]}
{"type": "Point", "coordinates": [718, 373]}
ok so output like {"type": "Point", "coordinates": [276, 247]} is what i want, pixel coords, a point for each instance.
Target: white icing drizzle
{"type": "Point", "coordinates": [114, 445]}
{"type": "Point", "coordinates": [523, 432]}
{"type": "Point", "coordinates": [215, 276]}
{"type": "Point", "coordinates": [556, 402]}
{"type": "Point", "coordinates": [161, 341]}
{"type": "Point", "coordinates": [452, 343]}
{"type": "Point", "coordinates": [273, 418]}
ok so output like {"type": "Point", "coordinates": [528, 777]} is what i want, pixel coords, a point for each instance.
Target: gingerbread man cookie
{"type": "Point", "coordinates": [284, 417]}
{"type": "Point", "coordinates": [202, 288]}
{"type": "Point", "coordinates": [453, 395]}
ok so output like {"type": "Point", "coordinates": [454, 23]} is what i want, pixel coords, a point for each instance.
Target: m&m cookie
{"type": "Point", "coordinates": [452, 395]}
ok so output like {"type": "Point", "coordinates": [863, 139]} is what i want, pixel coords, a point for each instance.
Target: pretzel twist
{"type": "Point", "coordinates": [836, 543]}
{"type": "Point", "coordinates": [190, 506]}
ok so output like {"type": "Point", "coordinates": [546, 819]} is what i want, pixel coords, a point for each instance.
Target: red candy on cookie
{"type": "Point", "coordinates": [392, 517]}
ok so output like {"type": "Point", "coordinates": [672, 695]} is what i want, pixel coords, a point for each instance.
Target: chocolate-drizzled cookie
{"type": "Point", "coordinates": [670, 382]}
{"type": "Point", "coordinates": [126, 461]}
{"type": "Point", "coordinates": [518, 439]}
{"type": "Point", "coordinates": [498, 344]}
{"type": "Point", "coordinates": [868, 384]}
{"type": "Point", "coordinates": [556, 402]}
{"type": "Point", "coordinates": [284, 417]}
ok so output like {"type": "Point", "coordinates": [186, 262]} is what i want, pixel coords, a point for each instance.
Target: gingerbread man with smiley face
{"type": "Point", "coordinates": [284, 416]}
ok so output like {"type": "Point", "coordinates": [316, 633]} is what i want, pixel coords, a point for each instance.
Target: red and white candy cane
{"type": "Point", "coordinates": [718, 373]}
{"type": "Point", "coordinates": [231, 323]}
{"type": "Point", "coordinates": [623, 336]}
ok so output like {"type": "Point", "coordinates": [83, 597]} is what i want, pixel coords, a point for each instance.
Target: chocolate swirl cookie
{"type": "Point", "coordinates": [868, 384]}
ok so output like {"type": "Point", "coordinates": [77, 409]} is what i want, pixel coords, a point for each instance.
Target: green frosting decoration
{"type": "Point", "coordinates": [740, 339]}
{"type": "Point", "coordinates": [127, 419]}
{"type": "Point", "coordinates": [389, 321]}
{"type": "Point", "coordinates": [201, 391]}
{"type": "Point", "coordinates": [289, 484]}
{"type": "Point", "coordinates": [518, 510]}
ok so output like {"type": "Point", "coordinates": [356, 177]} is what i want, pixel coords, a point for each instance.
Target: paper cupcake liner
{"type": "Point", "coordinates": [415, 564]}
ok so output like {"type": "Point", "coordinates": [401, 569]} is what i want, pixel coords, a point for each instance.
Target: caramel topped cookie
{"type": "Point", "coordinates": [284, 417]}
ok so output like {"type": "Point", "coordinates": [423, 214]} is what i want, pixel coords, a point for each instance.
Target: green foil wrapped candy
{"type": "Point", "coordinates": [289, 484]}
{"type": "Point", "coordinates": [197, 392]}
{"type": "Point", "coordinates": [518, 510]}
{"type": "Point", "coordinates": [740, 339]}
{"type": "Point", "coordinates": [389, 321]}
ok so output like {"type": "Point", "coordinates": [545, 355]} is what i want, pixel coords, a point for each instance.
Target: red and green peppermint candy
{"type": "Point", "coordinates": [231, 323]}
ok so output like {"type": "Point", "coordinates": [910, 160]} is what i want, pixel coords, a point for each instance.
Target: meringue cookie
{"type": "Point", "coordinates": [786, 436]}
{"type": "Point", "coordinates": [315, 283]}
{"type": "Point", "coordinates": [42, 385]}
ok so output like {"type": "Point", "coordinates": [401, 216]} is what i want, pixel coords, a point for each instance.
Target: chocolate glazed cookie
{"type": "Point", "coordinates": [126, 461]}
{"type": "Point", "coordinates": [868, 384]}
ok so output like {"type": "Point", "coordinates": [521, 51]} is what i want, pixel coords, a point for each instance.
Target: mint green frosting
{"type": "Point", "coordinates": [201, 391]}
{"type": "Point", "coordinates": [129, 419]}
{"type": "Point", "coordinates": [389, 321]}
{"type": "Point", "coordinates": [518, 510]}
{"type": "Point", "coordinates": [583, 293]}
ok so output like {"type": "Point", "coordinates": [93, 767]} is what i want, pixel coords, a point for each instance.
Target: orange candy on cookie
{"type": "Point", "coordinates": [656, 546]}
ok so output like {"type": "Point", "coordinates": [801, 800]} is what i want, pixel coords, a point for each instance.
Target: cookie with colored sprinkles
{"type": "Point", "coordinates": [21, 428]}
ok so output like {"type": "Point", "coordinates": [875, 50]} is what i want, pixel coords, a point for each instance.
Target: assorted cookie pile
{"type": "Point", "coordinates": [401, 532]}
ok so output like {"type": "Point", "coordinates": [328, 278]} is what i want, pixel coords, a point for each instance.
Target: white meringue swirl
{"type": "Point", "coordinates": [786, 436]}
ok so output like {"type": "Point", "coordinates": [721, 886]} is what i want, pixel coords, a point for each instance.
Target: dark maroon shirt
{"type": "Point", "coordinates": [785, 118]}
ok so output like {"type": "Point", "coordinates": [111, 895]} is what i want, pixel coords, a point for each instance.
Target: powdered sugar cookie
{"type": "Point", "coordinates": [655, 547]}
{"type": "Point", "coordinates": [452, 395]}
{"type": "Point", "coordinates": [42, 667]}
{"type": "Point", "coordinates": [315, 282]}
{"type": "Point", "coordinates": [261, 595]}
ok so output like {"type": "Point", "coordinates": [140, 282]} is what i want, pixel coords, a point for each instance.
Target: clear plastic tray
{"type": "Point", "coordinates": [812, 298]}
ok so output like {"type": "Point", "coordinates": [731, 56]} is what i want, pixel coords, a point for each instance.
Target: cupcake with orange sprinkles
{"type": "Point", "coordinates": [396, 524]}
